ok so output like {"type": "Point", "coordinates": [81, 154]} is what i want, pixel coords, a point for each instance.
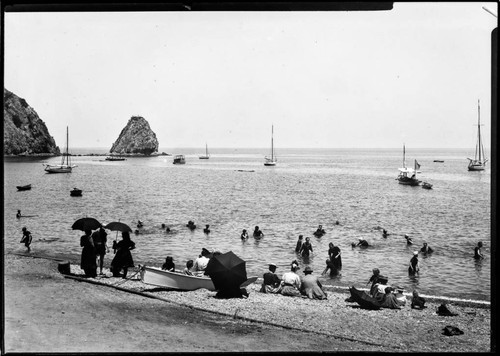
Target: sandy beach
{"type": "Point", "coordinates": [46, 311]}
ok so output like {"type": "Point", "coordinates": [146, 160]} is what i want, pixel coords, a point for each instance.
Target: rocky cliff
{"type": "Point", "coordinates": [24, 132]}
{"type": "Point", "coordinates": [136, 138]}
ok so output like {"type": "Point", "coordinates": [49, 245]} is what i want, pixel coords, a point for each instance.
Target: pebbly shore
{"type": "Point", "coordinates": [404, 330]}
{"type": "Point", "coordinates": [334, 323]}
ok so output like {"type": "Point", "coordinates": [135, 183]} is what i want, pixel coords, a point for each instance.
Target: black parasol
{"type": "Point", "coordinates": [364, 300]}
{"type": "Point", "coordinates": [85, 224]}
{"type": "Point", "coordinates": [118, 226]}
{"type": "Point", "coordinates": [227, 271]}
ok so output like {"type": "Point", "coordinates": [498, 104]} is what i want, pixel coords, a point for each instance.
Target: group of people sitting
{"type": "Point", "coordinates": [382, 295]}
{"type": "Point", "coordinates": [291, 284]}
{"type": "Point", "coordinates": [193, 268]}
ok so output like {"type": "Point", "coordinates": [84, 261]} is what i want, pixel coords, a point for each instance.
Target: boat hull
{"type": "Point", "coordinates": [408, 181]}
{"type": "Point", "coordinates": [203, 157]}
{"type": "Point", "coordinates": [24, 187]}
{"type": "Point", "coordinates": [76, 193]}
{"type": "Point", "coordinates": [476, 166]}
{"type": "Point", "coordinates": [58, 169]}
{"type": "Point", "coordinates": [115, 159]}
{"type": "Point", "coordinates": [158, 277]}
{"type": "Point", "coordinates": [270, 164]}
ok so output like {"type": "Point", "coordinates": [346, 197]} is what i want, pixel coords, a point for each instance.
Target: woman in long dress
{"type": "Point", "coordinates": [88, 262]}
{"type": "Point", "coordinates": [123, 257]}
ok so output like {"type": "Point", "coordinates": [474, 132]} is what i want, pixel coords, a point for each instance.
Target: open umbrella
{"type": "Point", "coordinates": [227, 271]}
{"type": "Point", "coordinates": [86, 224]}
{"type": "Point", "coordinates": [118, 226]}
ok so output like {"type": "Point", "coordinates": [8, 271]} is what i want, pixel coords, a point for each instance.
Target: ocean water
{"type": "Point", "coordinates": [233, 190]}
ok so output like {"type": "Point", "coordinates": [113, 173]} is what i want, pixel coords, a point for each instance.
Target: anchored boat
{"type": "Point", "coordinates": [179, 159]}
{"type": "Point", "coordinates": [65, 166]}
{"type": "Point", "coordinates": [407, 175]}
{"type": "Point", "coordinates": [479, 161]}
{"type": "Point", "coordinates": [271, 161]}
{"type": "Point", "coordinates": [206, 156]}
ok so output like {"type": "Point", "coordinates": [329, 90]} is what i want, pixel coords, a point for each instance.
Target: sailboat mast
{"type": "Point", "coordinates": [67, 145]}
{"type": "Point", "coordinates": [272, 143]}
{"type": "Point", "coordinates": [404, 157]}
{"type": "Point", "coordinates": [479, 131]}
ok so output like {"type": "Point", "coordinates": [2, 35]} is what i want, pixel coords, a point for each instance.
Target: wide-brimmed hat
{"type": "Point", "coordinates": [273, 265]}
{"type": "Point", "coordinates": [415, 253]}
{"type": "Point", "coordinates": [308, 270]}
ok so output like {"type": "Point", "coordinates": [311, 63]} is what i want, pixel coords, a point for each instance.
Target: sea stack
{"type": "Point", "coordinates": [24, 132]}
{"type": "Point", "coordinates": [136, 138]}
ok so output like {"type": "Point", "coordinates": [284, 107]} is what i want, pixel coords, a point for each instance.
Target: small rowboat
{"type": "Point", "coordinates": [174, 280]}
{"type": "Point", "coordinates": [76, 192]}
{"type": "Point", "coordinates": [24, 187]}
{"type": "Point", "coordinates": [426, 185]}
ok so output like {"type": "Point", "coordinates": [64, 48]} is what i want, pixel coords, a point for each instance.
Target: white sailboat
{"type": "Point", "coordinates": [408, 175]}
{"type": "Point", "coordinates": [479, 161]}
{"type": "Point", "coordinates": [271, 161]}
{"type": "Point", "coordinates": [206, 156]}
{"type": "Point", "coordinates": [65, 166]}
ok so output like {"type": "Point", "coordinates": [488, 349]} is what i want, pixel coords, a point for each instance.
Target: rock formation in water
{"type": "Point", "coordinates": [23, 131]}
{"type": "Point", "coordinates": [136, 138]}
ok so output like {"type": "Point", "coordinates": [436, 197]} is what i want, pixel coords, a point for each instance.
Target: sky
{"type": "Point", "coordinates": [322, 79]}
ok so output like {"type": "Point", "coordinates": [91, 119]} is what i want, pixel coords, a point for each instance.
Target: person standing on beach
{"type": "Point", "coordinates": [414, 268]}
{"type": "Point", "coordinates": [123, 258]}
{"type": "Point", "coordinates": [26, 239]}
{"type": "Point", "coordinates": [100, 242]}
{"type": "Point", "coordinates": [206, 230]}
{"type": "Point", "coordinates": [88, 262]}
{"type": "Point", "coordinates": [298, 246]}
{"type": "Point", "coordinates": [477, 251]}
{"type": "Point", "coordinates": [306, 248]}
{"type": "Point", "coordinates": [271, 283]}
{"type": "Point", "coordinates": [409, 241]}
{"type": "Point", "coordinates": [18, 215]}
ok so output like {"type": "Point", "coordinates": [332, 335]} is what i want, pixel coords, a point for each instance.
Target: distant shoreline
{"type": "Point", "coordinates": [89, 154]}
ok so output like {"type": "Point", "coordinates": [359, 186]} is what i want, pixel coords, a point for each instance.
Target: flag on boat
{"type": "Point", "coordinates": [417, 166]}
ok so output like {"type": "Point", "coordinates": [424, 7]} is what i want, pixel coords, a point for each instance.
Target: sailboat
{"type": "Point", "coordinates": [65, 166]}
{"type": "Point", "coordinates": [479, 161]}
{"type": "Point", "coordinates": [408, 176]}
{"type": "Point", "coordinates": [206, 156]}
{"type": "Point", "coordinates": [271, 161]}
